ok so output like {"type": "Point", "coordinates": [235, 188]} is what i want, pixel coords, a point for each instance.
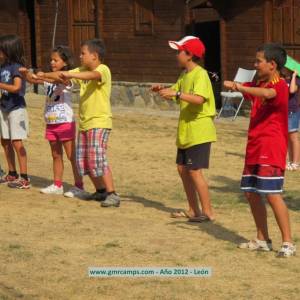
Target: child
{"type": "Point", "coordinates": [196, 131]}
{"type": "Point", "coordinates": [95, 119]}
{"type": "Point", "coordinates": [60, 128]}
{"type": "Point", "coordinates": [294, 117]}
{"type": "Point", "coordinates": [267, 147]}
{"type": "Point", "coordinates": [13, 115]}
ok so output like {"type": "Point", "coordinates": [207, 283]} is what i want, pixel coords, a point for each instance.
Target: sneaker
{"type": "Point", "coordinates": [52, 189]}
{"type": "Point", "coordinates": [75, 192]}
{"type": "Point", "coordinates": [8, 178]}
{"type": "Point", "coordinates": [257, 245]}
{"type": "Point", "coordinates": [286, 250]}
{"type": "Point", "coordinates": [111, 200]}
{"type": "Point", "coordinates": [20, 183]}
{"type": "Point", "coordinates": [97, 196]}
{"type": "Point", "coordinates": [292, 166]}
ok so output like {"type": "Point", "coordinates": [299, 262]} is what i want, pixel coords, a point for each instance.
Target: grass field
{"type": "Point", "coordinates": [47, 243]}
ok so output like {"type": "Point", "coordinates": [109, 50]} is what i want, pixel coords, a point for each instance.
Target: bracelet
{"type": "Point", "coordinates": [178, 94]}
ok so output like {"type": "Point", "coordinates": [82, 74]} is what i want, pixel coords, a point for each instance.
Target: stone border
{"type": "Point", "coordinates": [126, 94]}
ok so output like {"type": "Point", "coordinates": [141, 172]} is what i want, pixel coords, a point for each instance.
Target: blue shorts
{"type": "Point", "coordinates": [294, 119]}
{"type": "Point", "coordinates": [262, 179]}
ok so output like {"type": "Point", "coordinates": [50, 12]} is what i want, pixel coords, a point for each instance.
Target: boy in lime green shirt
{"type": "Point", "coordinates": [95, 119]}
{"type": "Point", "coordinates": [196, 130]}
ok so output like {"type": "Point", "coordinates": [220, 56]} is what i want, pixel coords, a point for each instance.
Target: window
{"type": "Point", "coordinates": [144, 17]}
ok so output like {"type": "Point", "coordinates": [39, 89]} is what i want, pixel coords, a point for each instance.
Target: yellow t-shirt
{"type": "Point", "coordinates": [196, 121]}
{"type": "Point", "coordinates": [94, 105]}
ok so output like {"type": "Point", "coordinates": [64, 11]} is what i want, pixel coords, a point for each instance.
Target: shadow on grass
{"type": "Point", "coordinates": [292, 200]}
{"type": "Point", "coordinates": [216, 230]}
{"type": "Point", "coordinates": [41, 182]}
{"type": "Point", "coordinates": [235, 154]}
{"type": "Point", "coordinates": [149, 203]}
{"type": "Point", "coordinates": [229, 185]}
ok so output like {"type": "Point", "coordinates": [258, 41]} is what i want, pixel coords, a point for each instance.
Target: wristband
{"type": "Point", "coordinates": [178, 94]}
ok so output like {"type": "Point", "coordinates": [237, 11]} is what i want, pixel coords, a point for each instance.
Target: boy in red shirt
{"type": "Point", "coordinates": [267, 147]}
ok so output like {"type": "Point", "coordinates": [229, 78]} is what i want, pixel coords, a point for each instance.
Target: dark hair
{"type": "Point", "coordinates": [66, 55]}
{"type": "Point", "coordinates": [95, 45]}
{"type": "Point", "coordinates": [275, 52]}
{"type": "Point", "coordinates": [195, 58]}
{"type": "Point", "coordinates": [12, 47]}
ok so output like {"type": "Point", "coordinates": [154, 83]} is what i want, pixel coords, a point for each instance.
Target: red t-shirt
{"type": "Point", "coordinates": [268, 129]}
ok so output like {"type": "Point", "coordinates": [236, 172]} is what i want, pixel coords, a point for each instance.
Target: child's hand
{"type": "Point", "coordinates": [40, 74]}
{"type": "Point", "coordinates": [65, 75]}
{"type": "Point", "coordinates": [232, 85]}
{"type": "Point", "coordinates": [167, 93]}
{"type": "Point", "coordinates": [23, 70]}
{"type": "Point", "coordinates": [156, 88]}
{"type": "Point", "coordinates": [229, 85]}
{"type": "Point", "coordinates": [295, 74]}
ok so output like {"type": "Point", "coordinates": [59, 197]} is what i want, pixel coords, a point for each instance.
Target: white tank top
{"type": "Point", "coordinates": [58, 107]}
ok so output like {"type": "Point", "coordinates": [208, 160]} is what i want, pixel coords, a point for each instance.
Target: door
{"type": "Point", "coordinates": [205, 24]}
{"type": "Point", "coordinates": [82, 22]}
{"type": "Point", "coordinates": [286, 25]}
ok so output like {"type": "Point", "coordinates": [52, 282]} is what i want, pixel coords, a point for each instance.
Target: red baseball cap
{"type": "Point", "coordinates": [192, 44]}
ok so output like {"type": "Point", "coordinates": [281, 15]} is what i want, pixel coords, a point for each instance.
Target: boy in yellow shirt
{"type": "Point", "coordinates": [196, 131]}
{"type": "Point", "coordinates": [95, 118]}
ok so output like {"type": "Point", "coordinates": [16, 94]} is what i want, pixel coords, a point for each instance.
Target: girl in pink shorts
{"type": "Point", "coordinates": [60, 123]}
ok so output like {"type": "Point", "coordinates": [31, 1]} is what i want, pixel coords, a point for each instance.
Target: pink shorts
{"type": "Point", "coordinates": [60, 132]}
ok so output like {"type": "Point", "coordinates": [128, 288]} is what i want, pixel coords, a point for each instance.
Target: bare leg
{"type": "Point", "coordinates": [259, 212]}
{"type": "Point", "coordinates": [9, 154]}
{"type": "Point", "coordinates": [201, 187]}
{"type": "Point", "coordinates": [294, 147]}
{"type": "Point", "coordinates": [21, 154]}
{"type": "Point", "coordinates": [282, 216]}
{"type": "Point", "coordinates": [69, 147]}
{"type": "Point", "coordinates": [58, 164]}
{"type": "Point", "coordinates": [194, 210]}
{"type": "Point", "coordinates": [97, 182]}
{"type": "Point", "coordinates": [108, 181]}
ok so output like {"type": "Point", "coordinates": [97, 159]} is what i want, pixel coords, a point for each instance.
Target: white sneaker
{"type": "Point", "coordinates": [291, 166]}
{"type": "Point", "coordinates": [53, 189]}
{"type": "Point", "coordinates": [76, 192]}
{"type": "Point", "coordinates": [257, 245]}
{"type": "Point", "coordinates": [287, 250]}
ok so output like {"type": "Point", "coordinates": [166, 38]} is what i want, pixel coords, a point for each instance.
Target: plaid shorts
{"type": "Point", "coordinates": [91, 152]}
{"type": "Point", "coordinates": [262, 179]}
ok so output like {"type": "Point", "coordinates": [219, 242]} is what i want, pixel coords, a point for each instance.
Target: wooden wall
{"type": "Point", "coordinates": [14, 20]}
{"type": "Point", "coordinates": [243, 30]}
{"type": "Point", "coordinates": [44, 22]}
{"type": "Point", "coordinates": [133, 56]}
{"type": "Point", "coordinates": [136, 52]}
{"type": "Point", "coordinates": [285, 25]}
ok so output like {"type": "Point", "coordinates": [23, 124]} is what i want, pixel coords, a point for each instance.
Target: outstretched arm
{"type": "Point", "coordinates": [52, 77]}
{"type": "Point", "coordinates": [29, 76]}
{"type": "Point", "coordinates": [65, 76]}
{"type": "Point", "coordinates": [169, 94]}
{"type": "Point", "coordinates": [253, 91]}
{"type": "Point", "coordinates": [84, 75]}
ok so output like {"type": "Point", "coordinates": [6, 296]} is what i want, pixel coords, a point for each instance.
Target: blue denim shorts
{"type": "Point", "coordinates": [294, 119]}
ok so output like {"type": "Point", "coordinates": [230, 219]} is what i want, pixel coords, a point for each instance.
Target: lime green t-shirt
{"type": "Point", "coordinates": [196, 121]}
{"type": "Point", "coordinates": [94, 104]}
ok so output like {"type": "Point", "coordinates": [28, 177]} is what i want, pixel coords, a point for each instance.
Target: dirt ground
{"type": "Point", "coordinates": [47, 243]}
